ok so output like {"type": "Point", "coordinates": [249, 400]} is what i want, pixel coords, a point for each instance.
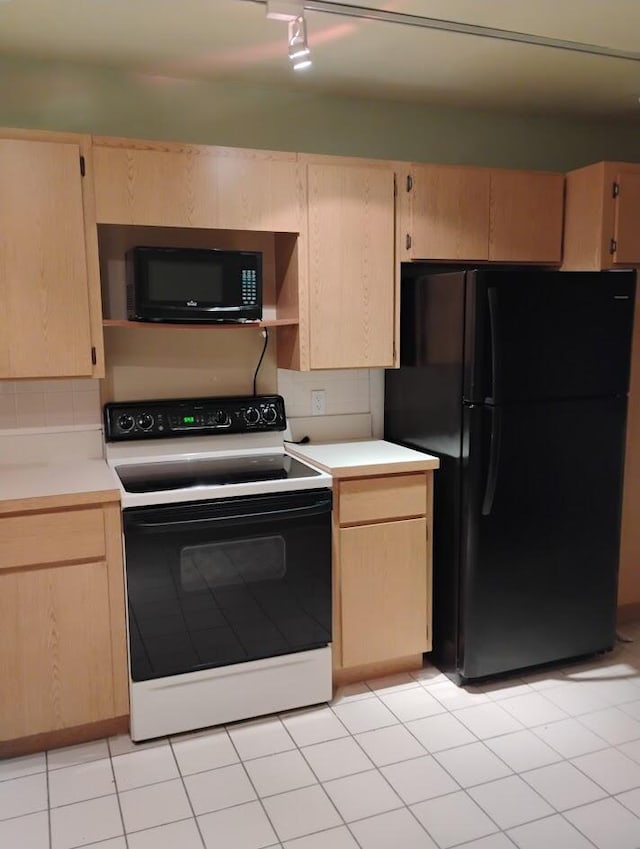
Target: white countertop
{"type": "Point", "coordinates": [364, 457]}
{"type": "Point", "coordinates": [20, 481]}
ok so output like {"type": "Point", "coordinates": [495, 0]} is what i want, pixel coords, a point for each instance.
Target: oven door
{"type": "Point", "coordinates": [212, 583]}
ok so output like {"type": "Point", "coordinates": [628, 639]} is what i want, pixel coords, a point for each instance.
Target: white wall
{"type": "Point", "coordinates": [354, 403]}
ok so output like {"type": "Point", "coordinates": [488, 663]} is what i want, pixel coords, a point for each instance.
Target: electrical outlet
{"type": "Point", "coordinates": [318, 402]}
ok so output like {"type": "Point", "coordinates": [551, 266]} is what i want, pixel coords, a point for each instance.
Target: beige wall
{"type": "Point", "coordinates": [47, 95]}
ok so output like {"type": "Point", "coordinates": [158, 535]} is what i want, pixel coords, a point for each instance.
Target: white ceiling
{"type": "Point", "coordinates": [234, 40]}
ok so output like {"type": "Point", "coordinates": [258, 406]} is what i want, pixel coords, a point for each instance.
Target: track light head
{"type": "Point", "coordinates": [299, 52]}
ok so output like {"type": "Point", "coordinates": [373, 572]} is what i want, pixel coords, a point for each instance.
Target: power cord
{"type": "Point", "coordinates": [302, 441]}
{"type": "Point", "coordinates": [265, 333]}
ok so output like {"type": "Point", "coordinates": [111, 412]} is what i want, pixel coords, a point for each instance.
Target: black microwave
{"type": "Point", "coordinates": [193, 285]}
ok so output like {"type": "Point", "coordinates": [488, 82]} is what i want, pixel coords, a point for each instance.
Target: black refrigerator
{"type": "Point", "coordinates": [517, 380]}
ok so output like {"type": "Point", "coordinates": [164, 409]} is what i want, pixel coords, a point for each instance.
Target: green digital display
{"type": "Point", "coordinates": [188, 419]}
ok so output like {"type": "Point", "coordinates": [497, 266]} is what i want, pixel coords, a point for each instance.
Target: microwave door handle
{"type": "Point", "coordinates": [148, 527]}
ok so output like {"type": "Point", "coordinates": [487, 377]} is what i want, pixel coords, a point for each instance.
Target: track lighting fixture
{"type": "Point", "coordinates": [292, 11]}
{"type": "Point", "coordinates": [299, 52]}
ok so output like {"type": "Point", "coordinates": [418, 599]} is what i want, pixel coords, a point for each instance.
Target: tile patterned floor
{"type": "Point", "coordinates": [408, 762]}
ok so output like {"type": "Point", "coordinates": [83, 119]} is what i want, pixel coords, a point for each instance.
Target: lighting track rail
{"type": "Point", "coordinates": [366, 13]}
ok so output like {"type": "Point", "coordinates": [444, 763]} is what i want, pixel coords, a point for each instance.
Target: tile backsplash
{"type": "Point", "coordinates": [353, 398]}
{"type": "Point", "coordinates": [49, 403]}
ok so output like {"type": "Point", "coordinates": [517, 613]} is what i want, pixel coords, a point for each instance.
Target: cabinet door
{"type": "Point", "coordinates": [627, 218]}
{"type": "Point", "coordinates": [526, 216]}
{"type": "Point", "coordinates": [383, 587]}
{"type": "Point", "coordinates": [55, 649]}
{"type": "Point", "coordinates": [351, 266]}
{"type": "Point", "coordinates": [44, 319]}
{"type": "Point", "coordinates": [198, 187]}
{"type": "Point", "coordinates": [450, 213]}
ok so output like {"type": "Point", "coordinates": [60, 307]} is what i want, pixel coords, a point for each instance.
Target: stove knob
{"type": "Point", "coordinates": [126, 422]}
{"type": "Point", "coordinates": [251, 416]}
{"type": "Point", "coordinates": [270, 414]}
{"type": "Point", "coordinates": [221, 418]}
{"type": "Point", "coordinates": [145, 421]}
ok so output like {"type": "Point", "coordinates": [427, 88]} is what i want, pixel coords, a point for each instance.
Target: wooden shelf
{"type": "Point", "coordinates": [268, 322]}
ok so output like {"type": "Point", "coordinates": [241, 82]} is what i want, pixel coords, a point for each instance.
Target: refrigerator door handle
{"type": "Point", "coordinates": [494, 460]}
{"type": "Point", "coordinates": [496, 350]}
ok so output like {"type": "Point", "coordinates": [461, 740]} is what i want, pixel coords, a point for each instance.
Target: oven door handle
{"type": "Point", "coordinates": [149, 527]}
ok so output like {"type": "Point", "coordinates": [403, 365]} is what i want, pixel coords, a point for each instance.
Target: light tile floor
{"type": "Point", "coordinates": [549, 760]}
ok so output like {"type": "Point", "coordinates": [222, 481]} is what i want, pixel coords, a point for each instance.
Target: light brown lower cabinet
{"type": "Point", "coordinates": [382, 573]}
{"type": "Point", "coordinates": [62, 623]}
{"type": "Point", "coordinates": [384, 591]}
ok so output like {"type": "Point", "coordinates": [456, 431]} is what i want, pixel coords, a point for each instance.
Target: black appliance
{"type": "Point", "coordinates": [213, 583]}
{"type": "Point", "coordinates": [193, 285]}
{"type": "Point", "coordinates": [517, 380]}
{"type": "Point", "coordinates": [227, 549]}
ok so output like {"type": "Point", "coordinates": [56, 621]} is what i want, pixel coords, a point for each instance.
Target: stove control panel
{"type": "Point", "coordinates": [134, 420]}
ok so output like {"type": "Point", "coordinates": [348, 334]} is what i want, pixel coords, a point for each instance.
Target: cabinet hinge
{"type": "Point", "coordinates": [613, 246]}
{"type": "Point", "coordinates": [94, 357]}
{"type": "Point", "coordinates": [407, 241]}
{"type": "Point", "coordinates": [83, 169]}
{"type": "Point", "coordinates": [616, 190]}
{"type": "Point", "coordinates": [409, 182]}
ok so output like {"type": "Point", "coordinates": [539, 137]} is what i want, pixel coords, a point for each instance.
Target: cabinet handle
{"type": "Point", "coordinates": [408, 241]}
{"type": "Point", "coordinates": [613, 246]}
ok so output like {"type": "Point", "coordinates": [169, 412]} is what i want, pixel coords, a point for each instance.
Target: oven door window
{"type": "Point", "coordinates": [234, 562]}
{"type": "Point", "coordinates": [209, 590]}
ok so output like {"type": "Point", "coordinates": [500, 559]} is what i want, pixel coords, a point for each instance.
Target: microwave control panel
{"type": "Point", "coordinates": [249, 286]}
{"type": "Point", "coordinates": [137, 420]}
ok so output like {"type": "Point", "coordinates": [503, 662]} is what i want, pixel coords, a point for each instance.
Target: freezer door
{"type": "Point", "coordinates": [536, 335]}
{"type": "Point", "coordinates": [423, 398]}
{"type": "Point", "coordinates": [540, 533]}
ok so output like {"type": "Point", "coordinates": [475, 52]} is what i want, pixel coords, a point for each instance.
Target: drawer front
{"type": "Point", "coordinates": [56, 537]}
{"type": "Point", "coordinates": [379, 498]}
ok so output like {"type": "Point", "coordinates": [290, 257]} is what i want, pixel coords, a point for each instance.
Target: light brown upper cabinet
{"type": "Point", "coordinates": [525, 216]}
{"type": "Point", "coordinates": [449, 209]}
{"type": "Point", "coordinates": [351, 260]}
{"type": "Point", "coordinates": [50, 322]}
{"type": "Point", "coordinates": [602, 216]}
{"type": "Point", "coordinates": [175, 185]}
{"type": "Point", "coordinates": [481, 214]}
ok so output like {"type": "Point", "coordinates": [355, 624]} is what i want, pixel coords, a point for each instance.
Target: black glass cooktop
{"type": "Point", "coordinates": [185, 474]}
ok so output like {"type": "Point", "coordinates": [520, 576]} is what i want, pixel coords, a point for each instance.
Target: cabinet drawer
{"type": "Point", "coordinates": [392, 497]}
{"type": "Point", "coordinates": [56, 537]}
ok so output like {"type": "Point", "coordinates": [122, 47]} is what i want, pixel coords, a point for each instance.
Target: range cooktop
{"type": "Point", "coordinates": [193, 472]}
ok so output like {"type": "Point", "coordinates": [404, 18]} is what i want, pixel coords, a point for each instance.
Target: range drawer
{"type": "Point", "coordinates": [53, 537]}
{"type": "Point", "coordinates": [380, 498]}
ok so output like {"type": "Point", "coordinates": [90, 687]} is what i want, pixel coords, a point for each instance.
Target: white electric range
{"type": "Point", "coordinates": [227, 544]}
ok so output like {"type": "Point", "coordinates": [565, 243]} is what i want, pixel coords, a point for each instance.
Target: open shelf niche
{"type": "Point", "coordinates": [178, 359]}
